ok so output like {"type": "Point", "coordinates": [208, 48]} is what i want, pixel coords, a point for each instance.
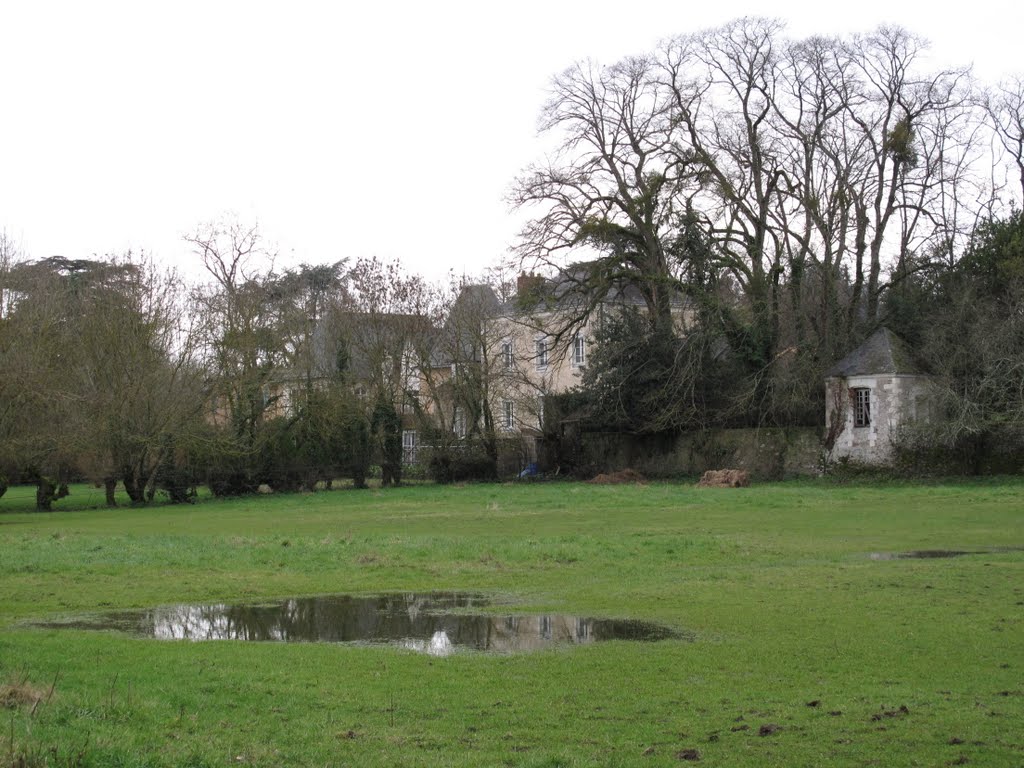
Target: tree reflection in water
{"type": "Point", "coordinates": [434, 623]}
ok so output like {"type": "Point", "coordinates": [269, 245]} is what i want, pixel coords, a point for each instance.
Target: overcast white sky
{"type": "Point", "coordinates": [346, 129]}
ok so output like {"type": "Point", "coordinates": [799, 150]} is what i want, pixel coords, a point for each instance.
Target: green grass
{"type": "Point", "coordinates": [774, 582]}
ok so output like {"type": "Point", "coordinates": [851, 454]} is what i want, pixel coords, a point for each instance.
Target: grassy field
{"type": "Point", "coordinates": [805, 651]}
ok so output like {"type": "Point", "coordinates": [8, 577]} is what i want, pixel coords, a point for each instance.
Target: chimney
{"type": "Point", "coordinates": [528, 286]}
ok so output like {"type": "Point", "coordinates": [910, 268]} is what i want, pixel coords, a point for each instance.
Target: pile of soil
{"type": "Point", "coordinates": [725, 478]}
{"type": "Point", "coordinates": [14, 695]}
{"type": "Point", "coordinates": [617, 478]}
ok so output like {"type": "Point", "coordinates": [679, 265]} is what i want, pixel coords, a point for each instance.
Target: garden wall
{"type": "Point", "coordinates": [765, 453]}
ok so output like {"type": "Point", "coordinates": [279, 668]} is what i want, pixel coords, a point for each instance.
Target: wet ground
{"type": "Point", "coordinates": [434, 623]}
{"type": "Point", "coordinates": [926, 554]}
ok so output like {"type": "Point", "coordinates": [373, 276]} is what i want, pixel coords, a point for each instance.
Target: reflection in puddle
{"type": "Point", "coordinates": [436, 623]}
{"type": "Point", "coordinates": [926, 554]}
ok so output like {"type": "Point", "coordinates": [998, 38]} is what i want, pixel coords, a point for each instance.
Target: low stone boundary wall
{"type": "Point", "coordinates": [768, 453]}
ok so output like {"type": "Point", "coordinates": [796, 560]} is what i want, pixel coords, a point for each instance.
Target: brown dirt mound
{"type": "Point", "coordinates": [725, 478]}
{"type": "Point", "coordinates": [14, 695]}
{"type": "Point", "coordinates": [616, 478]}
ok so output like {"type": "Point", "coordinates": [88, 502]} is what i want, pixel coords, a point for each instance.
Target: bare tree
{"type": "Point", "coordinates": [243, 334]}
{"type": "Point", "coordinates": [723, 87]}
{"type": "Point", "coordinates": [809, 174]}
{"type": "Point", "coordinates": [379, 332]}
{"type": "Point", "coordinates": [895, 108]}
{"type": "Point", "coordinates": [1005, 107]}
{"type": "Point", "coordinates": [612, 188]}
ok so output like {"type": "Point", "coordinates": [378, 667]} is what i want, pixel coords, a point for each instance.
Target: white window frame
{"type": "Point", "coordinates": [579, 351]}
{"type": "Point", "coordinates": [507, 356]}
{"type": "Point", "coordinates": [540, 346]}
{"type": "Point", "coordinates": [861, 407]}
{"type": "Point", "coordinates": [410, 445]}
{"type": "Point", "coordinates": [509, 414]}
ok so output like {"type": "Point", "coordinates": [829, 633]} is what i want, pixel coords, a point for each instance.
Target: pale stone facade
{"type": "Point", "coordinates": [538, 356]}
{"type": "Point", "coordinates": [535, 363]}
{"type": "Point", "coordinates": [892, 400]}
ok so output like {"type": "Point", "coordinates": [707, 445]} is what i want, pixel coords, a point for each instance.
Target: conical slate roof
{"type": "Point", "coordinates": [884, 352]}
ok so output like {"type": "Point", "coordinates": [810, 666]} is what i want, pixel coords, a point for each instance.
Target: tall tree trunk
{"type": "Point", "coordinates": [109, 487]}
{"type": "Point", "coordinates": [134, 486]}
{"type": "Point", "coordinates": [49, 490]}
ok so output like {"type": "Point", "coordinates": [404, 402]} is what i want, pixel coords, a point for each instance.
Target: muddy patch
{"type": "Point", "coordinates": [436, 623]}
{"type": "Point", "coordinates": [929, 554]}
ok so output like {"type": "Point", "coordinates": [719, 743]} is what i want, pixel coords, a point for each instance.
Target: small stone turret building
{"type": "Point", "coordinates": [869, 394]}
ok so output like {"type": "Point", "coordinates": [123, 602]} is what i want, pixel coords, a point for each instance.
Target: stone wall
{"type": "Point", "coordinates": [765, 453]}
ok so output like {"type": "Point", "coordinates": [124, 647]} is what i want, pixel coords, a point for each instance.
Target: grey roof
{"type": "Point", "coordinates": [884, 352]}
{"type": "Point", "coordinates": [575, 287]}
{"type": "Point", "coordinates": [480, 297]}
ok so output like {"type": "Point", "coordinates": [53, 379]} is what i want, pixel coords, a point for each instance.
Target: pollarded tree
{"type": "Point", "coordinates": [45, 370]}
{"type": "Point", "coordinates": [141, 390]}
{"type": "Point", "coordinates": [99, 377]}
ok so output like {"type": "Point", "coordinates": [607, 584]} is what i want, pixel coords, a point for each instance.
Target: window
{"type": "Point", "coordinates": [410, 441]}
{"type": "Point", "coordinates": [541, 353]}
{"type": "Point", "coordinates": [459, 426]}
{"type": "Point", "coordinates": [861, 407]}
{"type": "Point", "coordinates": [579, 351]}
{"type": "Point", "coordinates": [509, 414]}
{"type": "Point", "coordinates": [506, 355]}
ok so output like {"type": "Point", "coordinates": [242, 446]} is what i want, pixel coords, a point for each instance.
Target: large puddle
{"type": "Point", "coordinates": [435, 623]}
{"type": "Point", "coordinates": [928, 554]}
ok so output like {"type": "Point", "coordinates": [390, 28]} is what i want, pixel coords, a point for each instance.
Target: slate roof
{"type": "Point", "coordinates": [573, 288]}
{"type": "Point", "coordinates": [884, 352]}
